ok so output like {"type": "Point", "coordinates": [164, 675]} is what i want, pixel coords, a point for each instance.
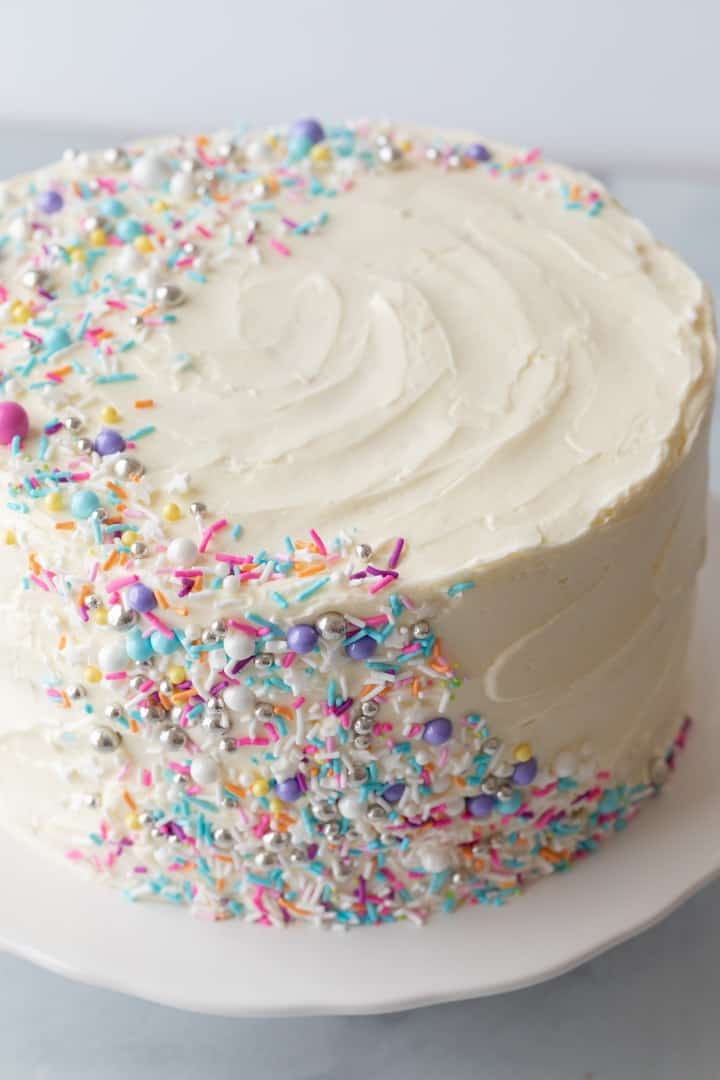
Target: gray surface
{"type": "Point", "coordinates": [645, 1011]}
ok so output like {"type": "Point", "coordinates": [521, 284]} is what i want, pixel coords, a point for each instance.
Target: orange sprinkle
{"type": "Point", "coordinates": [553, 856]}
{"type": "Point", "coordinates": [457, 781]}
{"type": "Point", "coordinates": [33, 563]}
{"type": "Point", "coordinates": [164, 701]}
{"type": "Point", "coordinates": [61, 371]}
{"type": "Point", "coordinates": [146, 403]}
{"type": "Point", "coordinates": [182, 695]}
{"type": "Point", "coordinates": [133, 725]}
{"type": "Point", "coordinates": [289, 906]}
{"type": "Point", "coordinates": [220, 882]}
{"type": "Point", "coordinates": [65, 700]}
{"type": "Point", "coordinates": [161, 600]}
{"type": "Point", "coordinates": [129, 801]}
{"type": "Point", "coordinates": [62, 643]}
{"type": "Point", "coordinates": [64, 524]}
{"type": "Point", "coordinates": [147, 310]}
{"type": "Point", "coordinates": [235, 789]}
{"type": "Point", "coordinates": [308, 569]}
{"type": "Point", "coordinates": [116, 490]}
{"type": "Point", "coordinates": [111, 559]}
{"type": "Point", "coordinates": [180, 610]}
{"type": "Point", "coordinates": [285, 712]}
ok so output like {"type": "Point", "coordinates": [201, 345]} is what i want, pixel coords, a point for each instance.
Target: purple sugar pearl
{"type": "Point", "coordinates": [140, 597]}
{"type": "Point", "coordinates": [302, 638]}
{"type": "Point", "coordinates": [49, 202]}
{"type": "Point", "coordinates": [393, 793]}
{"type": "Point", "coordinates": [362, 649]}
{"type": "Point", "coordinates": [109, 442]}
{"type": "Point", "coordinates": [289, 790]}
{"type": "Point", "coordinates": [307, 130]}
{"type": "Point", "coordinates": [477, 152]}
{"type": "Point", "coordinates": [438, 730]}
{"type": "Point", "coordinates": [525, 772]}
{"type": "Point", "coordinates": [480, 805]}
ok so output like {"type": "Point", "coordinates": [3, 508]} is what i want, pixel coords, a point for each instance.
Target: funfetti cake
{"type": "Point", "coordinates": [355, 491]}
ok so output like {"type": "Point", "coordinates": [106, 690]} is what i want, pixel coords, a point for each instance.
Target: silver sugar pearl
{"type": "Point", "coordinates": [432, 153]}
{"type": "Point", "coordinates": [189, 248]}
{"type": "Point", "coordinates": [454, 161]}
{"type": "Point", "coordinates": [138, 549]}
{"type": "Point", "coordinates": [478, 851]}
{"type": "Point", "coordinates": [387, 839]}
{"type": "Point", "coordinates": [180, 780]}
{"type": "Point", "coordinates": [218, 626]}
{"type": "Point", "coordinates": [390, 155]}
{"type": "Point", "coordinates": [490, 785]}
{"type": "Point", "coordinates": [173, 737]}
{"type": "Point", "coordinates": [189, 165]}
{"type": "Point", "coordinates": [210, 636]}
{"type": "Point", "coordinates": [275, 841]}
{"type": "Point", "coordinates": [215, 703]}
{"type": "Point", "coordinates": [75, 692]}
{"type": "Point", "coordinates": [113, 712]}
{"type": "Point", "coordinates": [297, 855]}
{"type": "Point", "coordinates": [491, 745]}
{"type": "Point", "coordinates": [376, 812]}
{"type": "Point", "coordinates": [264, 710]}
{"type": "Point", "coordinates": [165, 687]}
{"type": "Point", "coordinates": [168, 296]}
{"type": "Point", "coordinates": [216, 720]}
{"type": "Point", "coordinates": [128, 468]}
{"type": "Point", "coordinates": [342, 871]}
{"type": "Point", "coordinates": [99, 515]}
{"type": "Point", "coordinates": [458, 878]}
{"type": "Point", "coordinates": [362, 725]}
{"type": "Point", "coordinates": [331, 625]}
{"type": "Point", "coordinates": [225, 150]}
{"type": "Point", "coordinates": [227, 745]}
{"type": "Point", "coordinates": [505, 792]}
{"type": "Point", "coordinates": [197, 508]}
{"type": "Point", "coordinates": [84, 446]}
{"type": "Point", "coordinates": [69, 154]}
{"type": "Point", "coordinates": [145, 817]}
{"type": "Point", "coordinates": [265, 859]}
{"type": "Point", "coordinates": [361, 742]}
{"type": "Point", "coordinates": [264, 661]}
{"type": "Point", "coordinates": [105, 740]}
{"type": "Point", "coordinates": [363, 551]}
{"type": "Point", "coordinates": [94, 222]}
{"type": "Point", "coordinates": [659, 771]}
{"type": "Point", "coordinates": [154, 714]}
{"type": "Point", "coordinates": [92, 602]}
{"type": "Point", "coordinates": [72, 423]}
{"type": "Point", "coordinates": [136, 321]}
{"type": "Point", "coordinates": [332, 830]}
{"type": "Point", "coordinates": [382, 139]}
{"type": "Point", "coordinates": [116, 157]}
{"type": "Point", "coordinates": [223, 838]}
{"type": "Point", "coordinates": [229, 802]}
{"type": "Point", "coordinates": [121, 619]}
{"type": "Point", "coordinates": [358, 774]}
{"type": "Point", "coordinates": [369, 708]}
{"type": "Point", "coordinates": [503, 769]}
{"type": "Point", "coordinates": [32, 279]}
{"type": "Point", "coordinates": [136, 682]}
{"type": "Point", "coordinates": [324, 811]}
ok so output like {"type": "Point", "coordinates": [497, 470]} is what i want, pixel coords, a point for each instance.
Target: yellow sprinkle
{"type": "Point", "coordinates": [132, 821]}
{"type": "Point", "coordinates": [143, 244]}
{"type": "Point", "coordinates": [259, 787]}
{"type": "Point", "coordinates": [54, 502]}
{"type": "Point", "coordinates": [8, 537]}
{"type": "Point", "coordinates": [109, 415]}
{"type": "Point", "coordinates": [19, 312]}
{"type": "Point", "coordinates": [171, 512]}
{"type": "Point", "coordinates": [77, 255]}
{"type": "Point", "coordinates": [159, 205]}
{"type": "Point", "coordinates": [97, 238]}
{"type": "Point", "coordinates": [100, 617]}
{"type": "Point", "coordinates": [320, 153]}
{"type": "Point", "coordinates": [176, 674]}
{"type": "Point", "coordinates": [522, 752]}
{"type": "Point", "coordinates": [92, 674]}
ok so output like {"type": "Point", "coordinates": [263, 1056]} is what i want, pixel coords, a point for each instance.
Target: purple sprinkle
{"type": "Point", "coordinates": [438, 730]}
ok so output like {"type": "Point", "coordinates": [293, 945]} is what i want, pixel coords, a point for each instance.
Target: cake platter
{"type": "Point", "coordinates": [53, 916]}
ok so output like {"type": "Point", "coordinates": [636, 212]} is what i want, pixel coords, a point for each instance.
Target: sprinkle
{"type": "Point", "coordinates": [460, 587]}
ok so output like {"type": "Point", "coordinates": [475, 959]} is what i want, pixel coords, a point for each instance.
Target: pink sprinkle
{"type": "Point", "coordinates": [395, 553]}
{"type": "Point", "coordinates": [297, 702]}
{"type": "Point", "coordinates": [246, 627]}
{"type": "Point", "coordinates": [318, 542]}
{"type": "Point", "coordinates": [40, 582]}
{"type": "Point", "coordinates": [114, 676]}
{"type": "Point", "coordinates": [210, 532]}
{"type": "Point", "coordinates": [288, 659]}
{"type": "Point", "coordinates": [545, 818]}
{"type": "Point", "coordinates": [381, 583]}
{"type": "Point", "coordinates": [77, 476]}
{"type": "Point", "coordinates": [234, 560]}
{"type": "Point", "coordinates": [118, 304]}
{"type": "Point", "coordinates": [280, 248]}
{"type": "Point", "coordinates": [121, 583]}
{"type": "Point", "coordinates": [146, 778]}
{"type": "Point", "coordinates": [272, 731]}
{"type": "Point", "coordinates": [159, 625]}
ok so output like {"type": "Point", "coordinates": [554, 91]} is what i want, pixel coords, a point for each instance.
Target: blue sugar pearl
{"type": "Point", "coordinates": [110, 207]}
{"type": "Point", "coordinates": [139, 648]}
{"type": "Point", "coordinates": [49, 202]}
{"type": "Point", "coordinates": [163, 645]}
{"type": "Point", "coordinates": [480, 806]}
{"type": "Point", "coordinates": [128, 229]}
{"type": "Point", "coordinates": [57, 338]}
{"type": "Point", "coordinates": [393, 793]}
{"type": "Point", "coordinates": [289, 790]}
{"type": "Point", "coordinates": [362, 649]}
{"type": "Point", "coordinates": [302, 638]}
{"type": "Point", "coordinates": [140, 597]}
{"type": "Point", "coordinates": [83, 503]}
{"type": "Point", "coordinates": [438, 730]}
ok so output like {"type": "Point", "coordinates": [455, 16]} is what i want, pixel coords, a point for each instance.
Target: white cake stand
{"type": "Point", "coordinates": [53, 916]}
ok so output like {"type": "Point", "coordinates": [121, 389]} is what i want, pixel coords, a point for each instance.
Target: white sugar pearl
{"type": "Point", "coordinates": [129, 260]}
{"type": "Point", "coordinates": [183, 551]}
{"type": "Point", "coordinates": [231, 584]}
{"type": "Point", "coordinates": [349, 808]}
{"type": "Point", "coordinates": [204, 770]}
{"type": "Point", "coordinates": [18, 228]}
{"type": "Point", "coordinates": [182, 185]}
{"type": "Point", "coordinates": [455, 806]}
{"type": "Point", "coordinates": [113, 657]}
{"type": "Point", "coordinates": [239, 645]}
{"type": "Point", "coordinates": [150, 170]}
{"type": "Point", "coordinates": [239, 698]}
{"type": "Point", "coordinates": [565, 764]}
{"type": "Point", "coordinates": [216, 659]}
{"type": "Point", "coordinates": [434, 859]}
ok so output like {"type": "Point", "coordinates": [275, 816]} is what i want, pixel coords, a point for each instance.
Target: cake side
{"type": "Point", "coordinates": [490, 388]}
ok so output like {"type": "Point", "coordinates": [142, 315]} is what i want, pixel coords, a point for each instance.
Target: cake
{"type": "Point", "coordinates": [356, 485]}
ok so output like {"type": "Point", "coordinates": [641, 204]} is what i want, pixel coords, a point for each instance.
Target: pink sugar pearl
{"type": "Point", "coordinates": [13, 421]}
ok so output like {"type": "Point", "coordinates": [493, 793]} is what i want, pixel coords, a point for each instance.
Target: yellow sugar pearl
{"type": "Point", "coordinates": [92, 674]}
{"type": "Point", "coordinates": [260, 787]}
{"type": "Point", "coordinates": [97, 238]}
{"type": "Point", "coordinates": [100, 617]}
{"type": "Point", "coordinates": [277, 806]}
{"type": "Point", "coordinates": [160, 205]}
{"type": "Point", "coordinates": [171, 512]}
{"type": "Point", "coordinates": [271, 141]}
{"type": "Point", "coordinates": [77, 255]}
{"type": "Point", "coordinates": [143, 244]}
{"type": "Point", "coordinates": [54, 502]}
{"type": "Point", "coordinates": [405, 145]}
{"type": "Point", "coordinates": [176, 674]}
{"type": "Point", "coordinates": [522, 752]}
{"type": "Point", "coordinates": [19, 312]}
{"type": "Point", "coordinates": [321, 152]}
{"type": "Point", "coordinates": [109, 415]}
{"type": "Point", "coordinates": [8, 536]}
{"type": "Point", "coordinates": [132, 821]}
{"type": "Point", "coordinates": [128, 537]}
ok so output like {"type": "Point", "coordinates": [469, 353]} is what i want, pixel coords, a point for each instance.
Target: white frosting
{"type": "Point", "coordinates": [518, 389]}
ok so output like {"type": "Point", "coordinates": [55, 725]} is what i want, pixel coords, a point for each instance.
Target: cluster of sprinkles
{"type": "Point", "coordinates": [279, 760]}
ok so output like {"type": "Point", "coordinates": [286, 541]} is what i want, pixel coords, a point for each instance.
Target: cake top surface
{"type": "Point", "coordinates": [380, 333]}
